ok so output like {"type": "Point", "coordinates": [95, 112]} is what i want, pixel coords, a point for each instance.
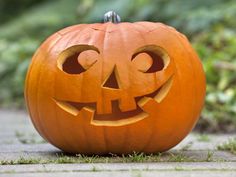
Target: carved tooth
{"type": "Point", "coordinates": [164, 90]}
{"type": "Point", "coordinates": [87, 113]}
{"type": "Point", "coordinates": [67, 107]}
{"type": "Point", "coordinates": [147, 102]}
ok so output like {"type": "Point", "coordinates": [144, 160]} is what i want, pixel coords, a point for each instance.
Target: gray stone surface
{"type": "Point", "coordinates": [169, 166]}
{"type": "Point", "coordinates": [128, 174]}
{"type": "Point", "coordinates": [151, 169]}
{"type": "Point", "coordinates": [19, 139]}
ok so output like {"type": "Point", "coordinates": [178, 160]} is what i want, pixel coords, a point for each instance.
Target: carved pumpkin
{"type": "Point", "coordinates": [115, 87]}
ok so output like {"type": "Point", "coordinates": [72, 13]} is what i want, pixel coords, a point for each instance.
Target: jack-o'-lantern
{"type": "Point", "coordinates": [115, 87]}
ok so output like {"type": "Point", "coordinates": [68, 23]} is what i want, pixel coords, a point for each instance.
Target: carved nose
{"type": "Point", "coordinates": [112, 80]}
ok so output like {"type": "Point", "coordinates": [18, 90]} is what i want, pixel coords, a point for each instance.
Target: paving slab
{"type": "Point", "coordinates": [150, 169]}
{"type": "Point", "coordinates": [84, 167]}
{"type": "Point", "coordinates": [18, 139]}
{"type": "Point", "coordinates": [128, 174]}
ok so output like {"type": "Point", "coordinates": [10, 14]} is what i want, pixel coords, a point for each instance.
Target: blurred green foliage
{"type": "Point", "coordinates": [16, 7]}
{"type": "Point", "coordinates": [210, 25]}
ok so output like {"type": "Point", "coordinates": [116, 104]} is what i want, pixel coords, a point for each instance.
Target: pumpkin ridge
{"type": "Point", "coordinates": [26, 91]}
{"type": "Point", "coordinates": [37, 92]}
{"type": "Point", "coordinates": [104, 128]}
{"type": "Point", "coordinates": [89, 135]}
{"type": "Point", "coordinates": [69, 39]}
{"type": "Point", "coordinates": [150, 124]}
{"type": "Point", "coordinates": [195, 59]}
{"type": "Point", "coordinates": [125, 141]}
{"type": "Point", "coordinates": [175, 34]}
{"type": "Point", "coordinates": [85, 133]}
{"type": "Point", "coordinates": [181, 42]}
{"type": "Point", "coordinates": [147, 145]}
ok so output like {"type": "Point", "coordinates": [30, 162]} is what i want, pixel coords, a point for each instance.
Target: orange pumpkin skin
{"type": "Point", "coordinates": [73, 108]}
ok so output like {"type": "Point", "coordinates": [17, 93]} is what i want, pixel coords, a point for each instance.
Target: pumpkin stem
{"type": "Point", "coordinates": [111, 16]}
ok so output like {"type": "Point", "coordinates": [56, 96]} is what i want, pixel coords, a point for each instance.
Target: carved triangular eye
{"type": "Point", "coordinates": [150, 59]}
{"type": "Point", "coordinates": [78, 59]}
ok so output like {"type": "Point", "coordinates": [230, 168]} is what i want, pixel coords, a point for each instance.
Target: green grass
{"type": "Point", "coordinates": [21, 160]}
{"type": "Point", "coordinates": [112, 158]}
{"type": "Point", "coordinates": [178, 156]}
{"type": "Point", "coordinates": [230, 146]}
{"type": "Point", "coordinates": [209, 156]}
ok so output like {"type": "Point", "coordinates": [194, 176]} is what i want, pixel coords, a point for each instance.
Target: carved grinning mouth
{"type": "Point", "coordinates": [117, 117]}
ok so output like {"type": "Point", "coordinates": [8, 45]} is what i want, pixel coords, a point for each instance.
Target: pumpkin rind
{"type": "Point", "coordinates": [164, 123]}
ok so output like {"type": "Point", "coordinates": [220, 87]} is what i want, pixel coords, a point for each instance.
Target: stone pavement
{"type": "Point", "coordinates": [24, 153]}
